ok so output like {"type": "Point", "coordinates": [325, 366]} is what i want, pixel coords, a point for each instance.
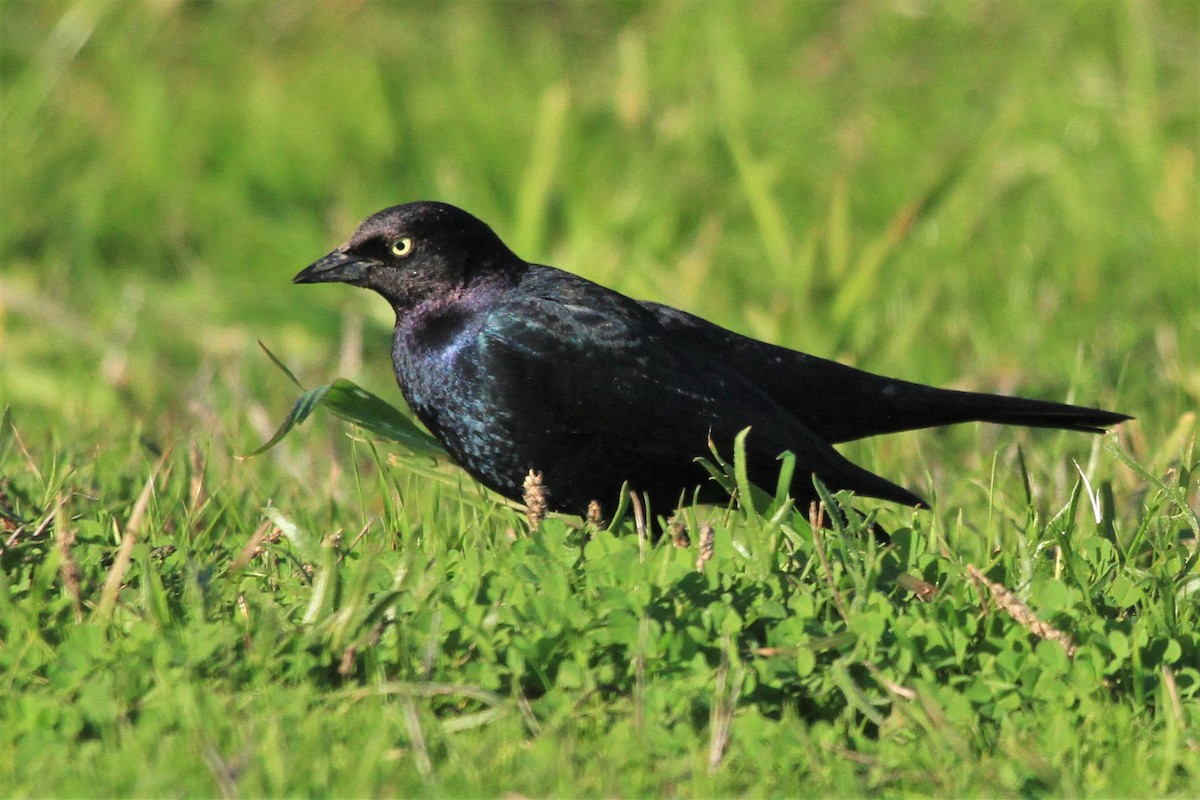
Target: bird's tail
{"type": "Point", "coordinates": [847, 404]}
{"type": "Point", "coordinates": [840, 403]}
{"type": "Point", "coordinates": [914, 406]}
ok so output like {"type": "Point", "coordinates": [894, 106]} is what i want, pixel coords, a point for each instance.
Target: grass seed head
{"type": "Point", "coordinates": [535, 499]}
{"type": "Point", "coordinates": [679, 535]}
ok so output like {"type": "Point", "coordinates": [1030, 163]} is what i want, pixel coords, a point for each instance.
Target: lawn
{"type": "Point", "coordinates": [994, 196]}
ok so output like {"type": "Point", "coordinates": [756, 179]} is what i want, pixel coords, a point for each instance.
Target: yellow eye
{"type": "Point", "coordinates": [402, 246]}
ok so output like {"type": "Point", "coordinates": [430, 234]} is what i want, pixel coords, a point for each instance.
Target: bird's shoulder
{"type": "Point", "coordinates": [549, 309]}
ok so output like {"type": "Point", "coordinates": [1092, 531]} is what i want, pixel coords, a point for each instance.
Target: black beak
{"type": "Point", "coordinates": [337, 266]}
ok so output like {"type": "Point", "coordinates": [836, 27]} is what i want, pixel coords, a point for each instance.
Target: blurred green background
{"type": "Point", "coordinates": [982, 194]}
{"type": "Point", "coordinates": [993, 195]}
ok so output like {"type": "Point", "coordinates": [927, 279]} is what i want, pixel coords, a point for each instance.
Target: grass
{"type": "Point", "coordinates": [980, 195]}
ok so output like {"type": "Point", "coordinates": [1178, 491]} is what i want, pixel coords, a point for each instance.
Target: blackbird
{"type": "Point", "coordinates": [516, 367]}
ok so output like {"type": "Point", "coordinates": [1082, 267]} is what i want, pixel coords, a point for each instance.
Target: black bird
{"type": "Point", "coordinates": [517, 367]}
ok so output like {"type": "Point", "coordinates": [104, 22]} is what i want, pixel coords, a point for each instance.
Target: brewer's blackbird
{"type": "Point", "coordinates": [517, 367]}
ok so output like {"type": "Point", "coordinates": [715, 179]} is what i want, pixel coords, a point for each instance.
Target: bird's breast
{"type": "Point", "coordinates": [439, 332]}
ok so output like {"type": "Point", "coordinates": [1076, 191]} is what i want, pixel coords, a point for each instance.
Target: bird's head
{"type": "Point", "coordinates": [416, 251]}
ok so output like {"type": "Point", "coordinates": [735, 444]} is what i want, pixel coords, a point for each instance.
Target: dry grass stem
{"type": "Point", "coordinates": [68, 567]}
{"type": "Point", "coordinates": [707, 544]}
{"type": "Point", "coordinates": [20, 531]}
{"type": "Point", "coordinates": [725, 697]}
{"type": "Point", "coordinates": [416, 734]}
{"type": "Point", "coordinates": [347, 663]}
{"type": "Point", "coordinates": [924, 590]}
{"type": "Point", "coordinates": [252, 548]}
{"type": "Point", "coordinates": [531, 720]}
{"type": "Point", "coordinates": [1172, 691]}
{"type": "Point", "coordinates": [197, 493]}
{"type": "Point", "coordinates": [816, 521]}
{"type": "Point", "coordinates": [891, 686]}
{"type": "Point", "coordinates": [112, 585]}
{"type": "Point", "coordinates": [116, 575]}
{"type": "Point", "coordinates": [1013, 606]}
{"type": "Point", "coordinates": [639, 522]}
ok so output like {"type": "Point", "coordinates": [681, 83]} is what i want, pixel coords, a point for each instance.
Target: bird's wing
{"type": "Point", "coordinates": [841, 403]}
{"type": "Point", "coordinates": [606, 369]}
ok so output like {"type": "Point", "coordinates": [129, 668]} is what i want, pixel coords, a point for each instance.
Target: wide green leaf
{"type": "Point", "coordinates": [351, 402]}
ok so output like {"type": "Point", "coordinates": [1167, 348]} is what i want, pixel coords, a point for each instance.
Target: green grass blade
{"type": "Point", "coordinates": [352, 403]}
{"type": "Point", "coordinates": [282, 367]}
{"type": "Point", "coordinates": [378, 417]}
{"type": "Point", "coordinates": [304, 406]}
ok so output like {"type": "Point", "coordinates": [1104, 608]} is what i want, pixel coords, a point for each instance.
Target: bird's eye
{"type": "Point", "coordinates": [402, 246]}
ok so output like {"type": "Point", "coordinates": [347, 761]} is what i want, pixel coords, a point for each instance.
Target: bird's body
{"type": "Point", "coordinates": [554, 373]}
{"type": "Point", "coordinates": [518, 367]}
